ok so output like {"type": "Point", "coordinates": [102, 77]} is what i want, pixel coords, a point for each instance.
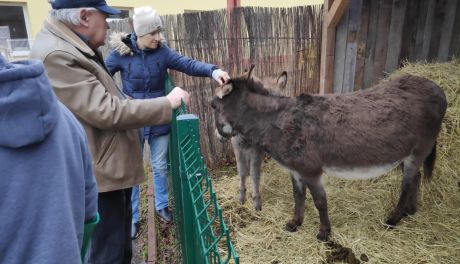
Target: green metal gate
{"type": "Point", "coordinates": [203, 235]}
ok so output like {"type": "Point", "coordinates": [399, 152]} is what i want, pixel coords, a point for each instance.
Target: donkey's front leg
{"type": "Point", "coordinates": [299, 189]}
{"type": "Point", "coordinates": [319, 198]}
{"type": "Point", "coordinates": [243, 171]}
{"type": "Point", "coordinates": [255, 164]}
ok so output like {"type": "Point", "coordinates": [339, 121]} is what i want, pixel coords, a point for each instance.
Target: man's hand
{"type": "Point", "coordinates": [176, 95]}
{"type": "Point", "coordinates": [220, 76]}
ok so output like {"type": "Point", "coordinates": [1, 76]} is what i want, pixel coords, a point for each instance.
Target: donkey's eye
{"type": "Point", "coordinates": [213, 105]}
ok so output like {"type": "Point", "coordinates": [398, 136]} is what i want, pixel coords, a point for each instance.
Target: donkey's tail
{"type": "Point", "coordinates": [428, 164]}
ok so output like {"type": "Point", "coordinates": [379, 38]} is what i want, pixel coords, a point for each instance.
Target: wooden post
{"type": "Point", "coordinates": [233, 34]}
{"type": "Point", "coordinates": [233, 3]}
{"type": "Point", "coordinates": [327, 53]}
{"type": "Point", "coordinates": [332, 13]}
{"type": "Point", "coordinates": [151, 227]}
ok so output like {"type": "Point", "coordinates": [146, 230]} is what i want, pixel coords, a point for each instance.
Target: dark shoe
{"type": "Point", "coordinates": [165, 215]}
{"type": "Point", "coordinates": [134, 230]}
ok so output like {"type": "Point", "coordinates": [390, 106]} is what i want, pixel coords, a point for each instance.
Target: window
{"type": "Point", "coordinates": [13, 17]}
{"type": "Point", "coordinates": [14, 40]}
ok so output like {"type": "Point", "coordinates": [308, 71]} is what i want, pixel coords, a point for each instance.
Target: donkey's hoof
{"type": "Point", "coordinates": [390, 224]}
{"type": "Point", "coordinates": [393, 221]}
{"type": "Point", "coordinates": [410, 210]}
{"type": "Point", "coordinates": [323, 236]}
{"type": "Point", "coordinates": [242, 199]}
{"type": "Point", "coordinates": [257, 204]}
{"type": "Point", "coordinates": [291, 226]}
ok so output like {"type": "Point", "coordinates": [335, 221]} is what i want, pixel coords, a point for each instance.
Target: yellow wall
{"type": "Point", "coordinates": [37, 10]}
{"type": "Point", "coordinates": [280, 3]}
{"type": "Point", "coordinates": [172, 6]}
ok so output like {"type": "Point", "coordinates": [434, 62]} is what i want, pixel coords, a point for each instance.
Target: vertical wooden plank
{"type": "Point", "coordinates": [409, 31]}
{"type": "Point", "coordinates": [428, 30]}
{"type": "Point", "coordinates": [447, 28]}
{"type": "Point", "coordinates": [354, 21]}
{"type": "Point", "coordinates": [361, 45]}
{"type": "Point", "coordinates": [327, 53]}
{"type": "Point", "coordinates": [381, 46]}
{"type": "Point", "coordinates": [422, 12]}
{"type": "Point", "coordinates": [395, 38]}
{"type": "Point", "coordinates": [455, 40]}
{"type": "Point", "coordinates": [339, 54]}
{"type": "Point", "coordinates": [437, 26]}
{"type": "Point", "coordinates": [370, 45]}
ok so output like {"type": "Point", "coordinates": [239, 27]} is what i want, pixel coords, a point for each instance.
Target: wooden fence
{"type": "Point", "coordinates": [274, 39]}
{"type": "Point", "coordinates": [374, 37]}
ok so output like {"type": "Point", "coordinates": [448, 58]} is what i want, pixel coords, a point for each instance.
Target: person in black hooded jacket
{"type": "Point", "coordinates": [46, 177]}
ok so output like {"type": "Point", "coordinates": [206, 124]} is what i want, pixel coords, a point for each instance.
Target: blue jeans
{"type": "Point", "coordinates": [159, 162]}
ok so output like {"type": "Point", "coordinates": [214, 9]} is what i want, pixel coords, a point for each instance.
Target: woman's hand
{"type": "Point", "coordinates": [220, 76]}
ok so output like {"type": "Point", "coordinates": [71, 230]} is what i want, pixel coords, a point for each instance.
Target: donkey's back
{"type": "Point", "coordinates": [380, 126]}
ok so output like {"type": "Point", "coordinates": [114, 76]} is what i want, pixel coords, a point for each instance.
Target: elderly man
{"type": "Point", "coordinates": [67, 45]}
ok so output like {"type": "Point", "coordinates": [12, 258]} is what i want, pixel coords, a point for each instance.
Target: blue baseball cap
{"type": "Point", "coordinates": [100, 5]}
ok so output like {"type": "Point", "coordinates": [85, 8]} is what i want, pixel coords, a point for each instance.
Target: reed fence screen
{"type": "Point", "coordinates": [273, 39]}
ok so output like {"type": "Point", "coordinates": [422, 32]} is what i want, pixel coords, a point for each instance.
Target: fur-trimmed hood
{"type": "Point", "coordinates": [119, 42]}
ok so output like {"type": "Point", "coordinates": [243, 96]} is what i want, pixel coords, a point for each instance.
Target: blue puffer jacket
{"type": "Point", "coordinates": [143, 72]}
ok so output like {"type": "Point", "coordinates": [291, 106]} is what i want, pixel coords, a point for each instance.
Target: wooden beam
{"type": "Point", "coordinates": [336, 11]}
{"type": "Point", "coordinates": [327, 60]}
{"type": "Point", "coordinates": [332, 13]}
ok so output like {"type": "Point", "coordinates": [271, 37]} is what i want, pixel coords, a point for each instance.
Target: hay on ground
{"type": "Point", "coordinates": [357, 209]}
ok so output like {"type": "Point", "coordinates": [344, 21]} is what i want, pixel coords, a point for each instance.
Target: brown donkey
{"type": "Point", "coordinates": [358, 135]}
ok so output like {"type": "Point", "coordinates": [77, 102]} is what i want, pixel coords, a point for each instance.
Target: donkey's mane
{"type": "Point", "coordinates": [254, 85]}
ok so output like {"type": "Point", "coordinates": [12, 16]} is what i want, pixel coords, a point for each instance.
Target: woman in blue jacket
{"type": "Point", "coordinates": [143, 60]}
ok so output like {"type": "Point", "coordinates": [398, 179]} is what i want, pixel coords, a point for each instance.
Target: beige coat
{"type": "Point", "coordinates": [82, 83]}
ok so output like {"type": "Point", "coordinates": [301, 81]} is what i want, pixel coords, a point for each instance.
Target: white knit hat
{"type": "Point", "coordinates": [146, 20]}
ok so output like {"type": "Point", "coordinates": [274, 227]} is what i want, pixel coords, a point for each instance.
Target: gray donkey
{"type": "Point", "coordinates": [358, 135]}
{"type": "Point", "coordinates": [249, 157]}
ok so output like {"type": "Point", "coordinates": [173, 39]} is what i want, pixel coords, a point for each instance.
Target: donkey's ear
{"type": "Point", "coordinates": [222, 91]}
{"type": "Point", "coordinates": [282, 80]}
{"type": "Point", "coordinates": [250, 71]}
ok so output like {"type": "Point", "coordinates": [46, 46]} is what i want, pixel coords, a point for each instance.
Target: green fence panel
{"type": "Point", "coordinates": [201, 230]}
